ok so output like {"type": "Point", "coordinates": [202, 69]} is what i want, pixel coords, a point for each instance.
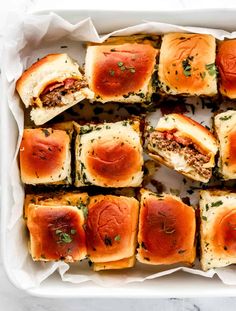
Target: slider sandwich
{"type": "Point", "coordinates": [184, 145]}
{"type": "Point", "coordinates": [218, 228]}
{"type": "Point", "coordinates": [121, 69]}
{"type": "Point", "coordinates": [52, 85]}
{"type": "Point", "coordinates": [167, 230]}
{"type": "Point", "coordinates": [225, 61]}
{"type": "Point", "coordinates": [187, 65]}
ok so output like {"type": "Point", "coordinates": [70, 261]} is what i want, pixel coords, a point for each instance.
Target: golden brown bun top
{"type": "Point", "coordinates": [56, 232]}
{"type": "Point", "coordinates": [226, 63]}
{"type": "Point", "coordinates": [166, 228]}
{"type": "Point", "coordinates": [43, 153]}
{"type": "Point", "coordinates": [111, 226]}
{"type": "Point", "coordinates": [115, 71]}
{"type": "Point", "coordinates": [225, 125]}
{"type": "Point", "coordinates": [28, 72]}
{"type": "Point", "coordinates": [185, 63]}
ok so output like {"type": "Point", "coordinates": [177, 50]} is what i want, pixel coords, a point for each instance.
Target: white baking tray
{"type": "Point", "coordinates": [179, 284]}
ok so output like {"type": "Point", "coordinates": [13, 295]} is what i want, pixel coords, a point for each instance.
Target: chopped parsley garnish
{"type": "Point", "coordinates": [175, 191]}
{"type": "Point", "coordinates": [86, 129]}
{"type": "Point", "coordinates": [46, 132]}
{"type": "Point", "coordinates": [225, 118]}
{"type": "Point", "coordinates": [123, 67]}
{"type": "Point", "coordinates": [108, 241]}
{"type": "Point", "coordinates": [63, 237]}
{"type": "Point", "coordinates": [73, 231]}
{"type": "Point", "coordinates": [212, 70]}
{"type": "Point", "coordinates": [112, 72]}
{"type": "Point", "coordinates": [217, 203]}
{"type": "Point", "coordinates": [202, 75]}
{"type": "Point", "coordinates": [204, 218]}
{"type": "Point", "coordinates": [117, 238]}
{"type": "Point", "coordinates": [84, 209]}
{"type": "Point", "coordinates": [143, 245]}
{"type": "Point", "coordinates": [187, 66]}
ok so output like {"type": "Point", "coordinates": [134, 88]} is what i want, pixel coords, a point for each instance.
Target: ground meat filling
{"type": "Point", "coordinates": [169, 142]}
{"type": "Point", "coordinates": [52, 96]}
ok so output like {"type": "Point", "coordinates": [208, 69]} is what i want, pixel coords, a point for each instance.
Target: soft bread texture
{"type": "Point", "coordinates": [226, 63]}
{"type": "Point", "coordinates": [186, 64]}
{"type": "Point", "coordinates": [121, 69]}
{"type": "Point", "coordinates": [109, 155]}
{"type": "Point", "coordinates": [50, 69]}
{"type": "Point", "coordinates": [111, 228]}
{"type": "Point", "coordinates": [218, 234]}
{"type": "Point", "coordinates": [56, 226]}
{"type": "Point", "coordinates": [166, 232]}
{"type": "Point", "coordinates": [225, 127]}
{"type": "Point", "coordinates": [115, 265]}
{"type": "Point", "coordinates": [185, 127]}
{"type": "Point", "coordinates": [45, 156]}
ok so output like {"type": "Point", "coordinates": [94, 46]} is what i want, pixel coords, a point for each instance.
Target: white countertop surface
{"type": "Point", "coordinates": [12, 299]}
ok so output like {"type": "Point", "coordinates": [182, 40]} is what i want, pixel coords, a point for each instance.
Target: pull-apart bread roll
{"type": "Point", "coordinates": [45, 156]}
{"type": "Point", "coordinates": [56, 226]}
{"type": "Point", "coordinates": [187, 64]}
{"type": "Point", "coordinates": [184, 145]}
{"type": "Point", "coordinates": [226, 63]}
{"type": "Point", "coordinates": [52, 85]}
{"type": "Point", "coordinates": [218, 228]}
{"type": "Point", "coordinates": [121, 70]}
{"type": "Point", "coordinates": [166, 230]}
{"type": "Point", "coordinates": [111, 231]}
{"type": "Point", "coordinates": [109, 155]}
{"type": "Point", "coordinates": [225, 127]}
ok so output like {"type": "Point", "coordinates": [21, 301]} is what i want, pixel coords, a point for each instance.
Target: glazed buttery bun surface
{"type": "Point", "coordinates": [109, 154]}
{"type": "Point", "coordinates": [218, 234]}
{"type": "Point", "coordinates": [225, 127]}
{"type": "Point", "coordinates": [226, 63]}
{"type": "Point", "coordinates": [166, 230]}
{"type": "Point", "coordinates": [52, 85]}
{"type": "Point", "coordinates": [56, 227]}
{"type": "Point", "coordinates": [121, 71]}
{"type": "Point", "coordinates": [45, 156]}
{"type": "Point", "coordinates": [185, 145]}
{"type": "Point", "coordinates": [111, 228]}
{"type": "Point", "coordinates": [187, 64]}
